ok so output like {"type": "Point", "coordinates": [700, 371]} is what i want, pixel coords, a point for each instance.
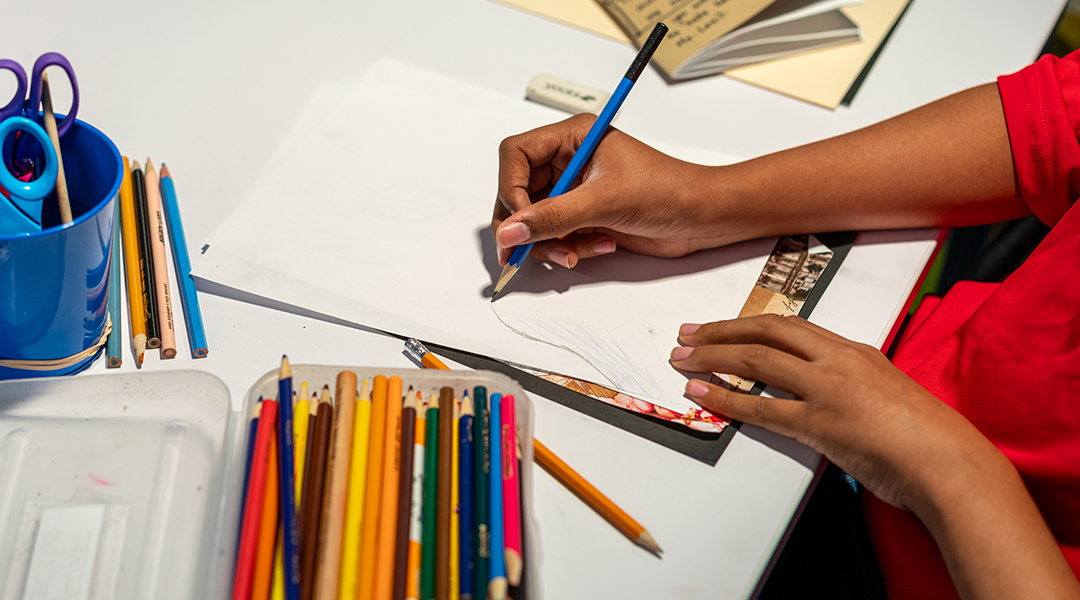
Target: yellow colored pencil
{"type": "Point", "coordinates": [354, 511]}
{"type": "Point", "coordinates": [277, 584]}
{"type": "Point", "coordinates": [455, 506]}
{"type": "Point", "coordinates": [301, 416]}
{"type": "Point", "coordinates": [373, 492]}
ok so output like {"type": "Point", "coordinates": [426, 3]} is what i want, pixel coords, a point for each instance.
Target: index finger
{"type": "Point", "coordinates": [530, 161]}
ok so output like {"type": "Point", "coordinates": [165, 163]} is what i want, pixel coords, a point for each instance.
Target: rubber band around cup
{"type": "Point", "coordinates": [54, 364]}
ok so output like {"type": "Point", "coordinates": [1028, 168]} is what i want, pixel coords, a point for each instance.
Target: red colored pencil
{"type": "Point", "coordinates": [511, 497]}
{"type": "Point", "coordinates": [253, 503]}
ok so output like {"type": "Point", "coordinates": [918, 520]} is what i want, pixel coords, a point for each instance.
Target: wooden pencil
{"type": "Point", "coordinates": [189, 299]}
{"type": "Point", "coordinates": [373, 494]}
{"type": "Point", "coordinates": [511, 500]}
{"type": "Point", "coordinates": [301, 414]}
{"type": "Point", "coordinates": [264, 556]}
{"type": "Point", "coordinates": [496, 558]}
{"type": "Point", "coordinates": [594, 498]}
{"type": "Point", "coordinates": [166, 327]}
{"type": "Point", "coordinates": [129, 223]}
{"type": "Point", "coordinates": [146, 258]}
{"type": "Point", "coordinates": [354, 510]}
{"type": "Point", "coordinates": [252, 429]}
{"type": "Point", "coordinates": [466, 492]}
{"type": "Point", "coordinates": [482, 473]}
{"type": "Point", "coordinates": [442, 500]}
{"type": "Point", "coordinates": [309, 456]}
{"type": "Point", "coordinates": [62, 197]}
{"type": "Point", "coordinates": [404, 495]}
{"type": "Point", "coordinates": [311, 506]}
{"type": "Point", "coordinates": [261, 458]}
{"type": "Point", "coordinates": [115, 266]}
{"type": "Point", "coordinates": [416, 509]}
{"type": "Point", "coordinates": [431, 487]}
{"type": "Point", "coordinates": [328, 559]}
{"type": "Point", "coordinates": [455, 506]}
{"type": "Point", "coordinates": [277, 582]}
{"type": "Point", "coordinates": [290, 547]}
{"type": "Point", "coordinates": [386, 548]}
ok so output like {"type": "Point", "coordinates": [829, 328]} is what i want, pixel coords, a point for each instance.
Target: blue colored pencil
{"type": "Point", "coordinates": [497, 586]}
{"type": "Point", "coordinates": [290, 549]}
{"type": "Point", "coordinates": [188, 298]}
{"type": "Point", "coordinates": [585, 150]}
{"type": "Point", "coordinates": [465, 497]}
{"type": "Point", "coordinates": [113, 345]}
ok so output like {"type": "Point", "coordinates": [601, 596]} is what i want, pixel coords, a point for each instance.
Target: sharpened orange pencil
{"type": "Point", "coordinates": [365, 584]}
{"type": "Point", "coordinates": [264, 556]}
{"type": "Point", "coordinates": [386, 542]}
{"type": "Point", "coordinates": [132, 270]}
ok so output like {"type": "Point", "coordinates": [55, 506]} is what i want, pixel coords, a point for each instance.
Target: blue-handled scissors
{"type": "Point", "coordinates": [20, 210]}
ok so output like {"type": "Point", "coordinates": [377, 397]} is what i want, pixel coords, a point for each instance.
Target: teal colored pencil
{"type": "Point", "coordinates": [113, 345]}
{"type": "Point", "coordinates": [481, 483]}
{"type": "Point", "coordinates": [188, 298]}
{"type": "Point", "coordinates": [496, 561]}
{"type": "Point", "coordinates": [431, 472]}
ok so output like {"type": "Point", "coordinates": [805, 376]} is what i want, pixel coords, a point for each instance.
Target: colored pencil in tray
{"type": "Point", "coordinates": [146, 258]}
{"type": "Point", "coordinates": [496, 559]}
{"type": "Point", "coordinates": [481, 513]}
{"type": "Point", "coordinates": [290, 524]}
{"type": "Point", "coordinates": [262, 579]}
{"type": "Point", "coordinates": [404, 495]}
{"type": "Point", "coordinates": [354, 511]}
{"type": "Point", "coordinates": [189, 299]}
{"type": "Point", "coordinates": [311, 505]}
{"type": "Point", "coordinates": [442, 494]}
{"type": "Point", "coordinates": [261, 458]}
{"type": "Point", "coordinates": [431, 487]}
{"type": "Point", "coordinates": [300, 434]}
{"type": "Point", "coordinates": [465, 496]}
{"type": "Point", "coordinates": [455, 506]}
{"type": "Point", "coordinates": [511, 501]}
{"type": "Point", "coordinates": [332, 524]}
{"type": "Point", "coordinates": [386, 549]}
{"type": "Point", "coordinates": [373, 493]}
{"type": "Point", "coordinates": [416, 509]}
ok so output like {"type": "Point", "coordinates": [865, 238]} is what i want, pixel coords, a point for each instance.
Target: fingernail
{"type": "Point", "coordinates": [696, 389]}
{"type": "Point", "coordinates": [560, 257]}
{"type": "Point", "coordinates": [604, 247]}
{"type": "Point", "coordinates": [681, 352]}
{"type": "Point", "coordinates": [513, 234]}
{"type": "Point", "coordinates": [689, 328]}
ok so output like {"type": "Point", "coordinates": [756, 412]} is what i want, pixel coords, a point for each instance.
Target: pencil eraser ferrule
{"type": "Point", "coordinates": [565, 95]}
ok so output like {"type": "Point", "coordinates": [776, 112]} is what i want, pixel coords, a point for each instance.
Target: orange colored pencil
{"type": "Point", "coordinates": [253, 502]}
{"type": "Point", "coordinates": [594, 498]}
{"type": "Point", "coordinates": [365, 583]}
{"type": "Point", "coordinates": [386, 543]}
{"type": "Point", "coordinates": [264, 555]}
{"type": "Point", "coordinates": [129, 227]}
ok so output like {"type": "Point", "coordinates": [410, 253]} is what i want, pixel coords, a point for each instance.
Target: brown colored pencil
{"type": "Point", "coordinates": [328, 557]}
{"type": "Point", "coordinates": [386, 549]}
{"type": "Point", "coordinates": [166, 327]}
{"type": "Point", "coordinates": [365, 583]}
{"type": "Point", "coordinates": [405, 485]}
{"type": "Point", "coordinates": [309, 456]}
{"type": "Point", "coordinates": [442, 502]}
{"type": "Point", "coordinates": [312, 495]}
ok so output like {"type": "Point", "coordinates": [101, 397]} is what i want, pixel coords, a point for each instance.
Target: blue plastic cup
{"type": "Point", "coordinates": [54, 283]}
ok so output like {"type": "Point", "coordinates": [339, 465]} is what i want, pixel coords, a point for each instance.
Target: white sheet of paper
{"type": "Point", "coordinates": [64, 553]}
{"type": "Point", "coordinates": [380, 216]}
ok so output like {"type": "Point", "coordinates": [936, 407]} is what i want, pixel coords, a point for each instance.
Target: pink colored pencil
{"type": "Point", "coordinates": [253, 502]}
{"type": "Point", "coordinates": [511, 497]}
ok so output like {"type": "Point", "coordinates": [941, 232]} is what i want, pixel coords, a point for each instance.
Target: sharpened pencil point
{"type": "Point", "coordinates": [286, 370]}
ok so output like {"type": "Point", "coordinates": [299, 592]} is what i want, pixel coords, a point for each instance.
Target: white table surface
{"type": "Point", "coordinates": [211, 87]}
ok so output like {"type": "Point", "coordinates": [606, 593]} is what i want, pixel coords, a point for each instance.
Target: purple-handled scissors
{"type": "Point", "coordinates": [22, 106]}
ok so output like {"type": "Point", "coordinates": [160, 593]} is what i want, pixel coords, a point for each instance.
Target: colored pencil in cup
{"type": "Point", "coordinates": [383, 581]}
{"type": "Point", "coordinates": [431, 488]}
{"type": "Point", "coordinates": [332, 527]}
{"type": "Point", "coordinates": [50, 127]}
{"type": "Point", "coordinates": [466, 490]}
{"type": "Point", "coordinates": [496, 558]}
{"type": "Point", "coordinates": [146, 258]}
{"type": "Point", "coordinates": [312, 503]}
{"type": "Point", "coordinates": [373, 493]}
{"type": "Point", "coordinates": [290, 547]}
{"type": "Point", "coordinates": [129, 224]}
{"type": "Point", "coordinates": [354, 510]}
{"type": "Point", "coordinates": [594, 498]}
{"type": "Point", "coordinates": [113, 346]}
{"type": "Point", "coordinates": [416, 508]}
{"type": "Point", "coordinates": [261, 458]}
{"type": "Point", "coordinates": [404, 495]}
{"type": "Point", "coordinates": [511, 500]}
{"type": "Point", "coordinates": [482, 481]}
{"type": "Point", "coordinates": [588, 145]}
{"type": "Point", "coordinates": [189, 299]}
{"type": "Point", "coordinates": [166, 327]}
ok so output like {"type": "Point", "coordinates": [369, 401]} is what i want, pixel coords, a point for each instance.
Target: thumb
{"type": "Point", "coordinates": [547, 219]}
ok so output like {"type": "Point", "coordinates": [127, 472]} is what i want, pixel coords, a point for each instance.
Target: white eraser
{"type": "Point", "coordinates": [565, 95]}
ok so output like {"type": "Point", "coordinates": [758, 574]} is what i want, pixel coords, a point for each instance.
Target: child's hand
{"type": "Point", "coordinates": [852, 404]}
{"type": "Point", "coordinates": [628, 194]}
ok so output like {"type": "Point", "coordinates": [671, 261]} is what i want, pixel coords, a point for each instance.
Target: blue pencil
{"type": "Point", "coordinates": [188, 298]}
{"type": "Point", "coordinates": [113, 346]}
{"type": "Point", "coordinates": [497, 587]}
{"type": "Point", "coordinates": [290, 549]}
{"type": "Point", "coordinates": [585, 150]}
{"type": "Point", "coordinates": [465, 497]}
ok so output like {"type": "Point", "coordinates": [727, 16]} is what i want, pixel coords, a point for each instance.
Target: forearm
{"type": "Point", "coordinates": [992, 536]}
{"type": "Point", "coordinates": [944, 164]}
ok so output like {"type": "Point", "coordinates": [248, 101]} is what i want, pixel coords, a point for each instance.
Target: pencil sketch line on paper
{"type": "Point", "coordinates": [599, 350]}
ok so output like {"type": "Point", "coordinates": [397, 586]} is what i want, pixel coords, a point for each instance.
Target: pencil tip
{"type": "Point", "coordinates": [135, 165]}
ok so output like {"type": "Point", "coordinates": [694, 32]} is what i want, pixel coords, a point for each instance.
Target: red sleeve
{"type": "Point", "coordinates": [1042, 113]}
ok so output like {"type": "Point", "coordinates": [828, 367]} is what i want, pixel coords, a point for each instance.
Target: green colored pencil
{"type": "Point", "coordinates": [431, 470]}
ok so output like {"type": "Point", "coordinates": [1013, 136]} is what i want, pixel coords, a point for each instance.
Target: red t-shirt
{"type": "Point", "coordinates": [1007, 356]}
